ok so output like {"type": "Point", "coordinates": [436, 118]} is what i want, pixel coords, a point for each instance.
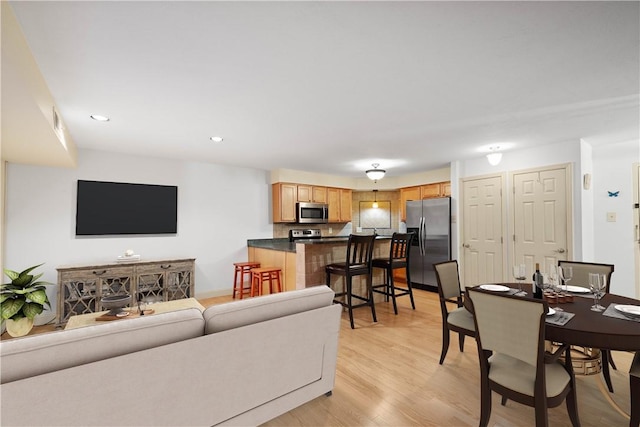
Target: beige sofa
{"type": "Point", "coordinates": [240, 363]}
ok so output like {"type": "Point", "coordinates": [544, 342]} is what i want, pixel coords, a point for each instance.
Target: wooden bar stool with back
{"type": "Point", "coordinates": [358, 263]}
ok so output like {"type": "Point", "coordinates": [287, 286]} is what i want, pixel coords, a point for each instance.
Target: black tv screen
{"type": "Point", "coordinates": [105, 208]}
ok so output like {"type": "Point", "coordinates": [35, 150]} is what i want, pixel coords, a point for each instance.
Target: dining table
{"type": "Point", "coordinates": [607, 329]}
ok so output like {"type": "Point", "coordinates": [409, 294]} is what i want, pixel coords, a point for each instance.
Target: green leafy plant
{"type": "Point", "coordinates": [24, 296]}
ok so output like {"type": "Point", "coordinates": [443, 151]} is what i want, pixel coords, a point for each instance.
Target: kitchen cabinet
{"type": "Point", "coordinates": [284, 197]}
{"type": "Point", "coordinates": [426, 191]}
{"type": "Point", "coordinates": [308, 193]}
{"type": "Point", "coordinates": [408, 194]}
{"type": "Point", "coordinates": [437, 189]}
{"type": "Point", "coordinates": [81, 288]}
{"type": "Point", "coordinates": [340, 202]}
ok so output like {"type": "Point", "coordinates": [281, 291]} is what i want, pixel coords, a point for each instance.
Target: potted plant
{"type": "Point", "coordinates": [22, 300]}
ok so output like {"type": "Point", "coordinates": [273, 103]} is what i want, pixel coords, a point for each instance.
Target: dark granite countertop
{"type": "Point", "coordinates": [284, 245]}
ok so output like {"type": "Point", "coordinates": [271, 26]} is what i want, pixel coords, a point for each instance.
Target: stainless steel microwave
{"type": "Point", "coordinates": [312, 213]}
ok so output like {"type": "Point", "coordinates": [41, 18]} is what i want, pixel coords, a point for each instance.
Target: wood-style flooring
{"type": "Point", "coordinates": [388, 375]}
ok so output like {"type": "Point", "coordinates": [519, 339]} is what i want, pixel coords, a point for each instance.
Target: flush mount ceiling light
{"type": "Point", "coordinates": [216, 138]}
{"type": "Point", "coordinates": [375, 174]}
{"type": "Point", "coordinates": [99, 118]}
{"type": "Point", "coordinates": [494, 157]}
{"type": "Point", "coordinates": [375, 199]}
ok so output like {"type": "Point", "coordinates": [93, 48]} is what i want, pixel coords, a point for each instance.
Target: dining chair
{"type": "Point", "coordinates": [459, 320]}
{"type": "Point", "coordinates": [580, 278]}
{"type": "Point", "coordinates": [357, 263]}
{"type": "Point", "coordinates": [510, 334]}
{"type": "Point", "coordinates": [399, 251]}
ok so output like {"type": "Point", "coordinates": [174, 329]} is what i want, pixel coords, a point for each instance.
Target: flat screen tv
{"type": "Point", "coordinates": [114, 208]}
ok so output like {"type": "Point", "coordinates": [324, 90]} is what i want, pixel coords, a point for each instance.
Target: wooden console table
{"type": "Point", "coordinates": [80, 288]}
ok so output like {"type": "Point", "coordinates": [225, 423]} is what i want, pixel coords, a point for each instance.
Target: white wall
{"type": "Point", "coordinates": [219, 208]}
{"type": "Point", "coordinates": [614, 241]}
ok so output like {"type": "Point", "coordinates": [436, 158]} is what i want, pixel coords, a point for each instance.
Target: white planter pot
{"type": "Point", "coordinates": [20, 327]}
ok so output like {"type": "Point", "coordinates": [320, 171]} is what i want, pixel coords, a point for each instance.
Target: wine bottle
{"type": "Point", "coordinates": [537, 283]}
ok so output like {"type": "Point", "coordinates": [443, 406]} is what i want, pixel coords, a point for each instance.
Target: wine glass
{"type": "Point", "coordinates": [520, 274]}
{"type": "Point", "coordinates": [566, 274]}
{"type": "Point", "coordinates": [596, 286]}
{"type": "Point", "coordinates": [553, 278]}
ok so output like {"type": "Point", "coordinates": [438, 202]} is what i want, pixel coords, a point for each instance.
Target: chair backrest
{"type": "Point", "coordinates": [360, 249]}
{"type": "Point", "coordinates": [509, 325]}
{"type": "Point", "coordinates": [448, 279]}
{"type": "Point", "coordinates": [581, 272]}
{"type": "Point", "coordinates": [400, 247]}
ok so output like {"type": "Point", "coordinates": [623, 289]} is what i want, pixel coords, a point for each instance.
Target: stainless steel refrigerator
{"type": "Point", "coordinates": [430, 221]}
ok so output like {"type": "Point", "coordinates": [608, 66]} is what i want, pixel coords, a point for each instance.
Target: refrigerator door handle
{"type": "Point", "coordinates": [419, 236]}
{"type": "Point", "coordinates": [424, 236]}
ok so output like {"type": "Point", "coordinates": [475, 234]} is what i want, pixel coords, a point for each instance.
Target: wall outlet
{"type": "Point", "coordinates": [330, 230]}
{"type": "Point", "coordinates": [358, 229]}
{"type": "Point", "coordinates": [611, 217]}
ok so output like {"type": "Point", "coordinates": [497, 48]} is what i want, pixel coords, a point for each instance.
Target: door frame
{"type": "Point", "coordinates": [636, 223]}
{"type": "Point", "coordinates": [461, 252]}
{"type": "Point", "coordinates": [569, 190]}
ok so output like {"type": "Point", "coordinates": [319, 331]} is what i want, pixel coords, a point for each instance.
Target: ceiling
{"type": "Point", "coordinates": [331, 87]}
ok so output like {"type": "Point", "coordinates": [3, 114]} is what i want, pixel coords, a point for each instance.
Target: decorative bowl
{"type": "Point", "coordinates": [115, 303]}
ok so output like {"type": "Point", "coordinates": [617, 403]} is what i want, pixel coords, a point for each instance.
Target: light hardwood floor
{"type": "Point", "coordinates": [388, 375]}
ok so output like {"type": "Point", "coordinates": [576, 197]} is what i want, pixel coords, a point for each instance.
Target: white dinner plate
{"type": "Point", "coordinates": [497, 288]}
{"type": "Point", "coordinates": [551, 312]}
{"type": "Point", "coordinates": [632, 310]}
{"type": "Point", "coordinates": [577, 289]}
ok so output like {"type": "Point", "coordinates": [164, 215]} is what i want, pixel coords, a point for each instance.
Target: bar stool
{"type": "Point", "coordinates": [242, 268]}
{"type": "Point", "coordinates": [265, 274]}
{"type": "Point", "coordinates": [357, 263]}
{"type": "Point", "coordinates": [398, 258]}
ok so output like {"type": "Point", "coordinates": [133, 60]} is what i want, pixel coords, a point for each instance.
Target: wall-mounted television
{"type": "Point", "coordinates": [114, 208]}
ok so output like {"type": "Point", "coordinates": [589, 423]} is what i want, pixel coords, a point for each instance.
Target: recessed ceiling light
{"type": "Point", "coordinates": [216, 138]}
{"type": "Point", "coordinates": [99, 118]}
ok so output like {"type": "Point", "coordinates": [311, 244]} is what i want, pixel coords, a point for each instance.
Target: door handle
{"type": "Point", "coordinates": [559, 251]}
{"type": "Point", "coordinates": [466, 246]}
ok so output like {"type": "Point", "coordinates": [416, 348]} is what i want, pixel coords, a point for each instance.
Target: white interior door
{"type": "Point", "coordinates": [482, 228]}
{"type": "Point", "coordinates": [541, 217]}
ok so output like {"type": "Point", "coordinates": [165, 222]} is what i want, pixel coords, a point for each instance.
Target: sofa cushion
{"type": "Point", "coordinates": [43, 353]}
{"type": "Point", "coordinates": [253, 310]}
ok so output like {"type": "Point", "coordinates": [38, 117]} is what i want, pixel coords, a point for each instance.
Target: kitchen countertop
{"type": "Point", "coordinates": [283, 244]}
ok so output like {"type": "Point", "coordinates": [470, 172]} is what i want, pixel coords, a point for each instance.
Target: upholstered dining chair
{"type": "Point", "coordinates": [399, 251]}
{"type": "Point", "coordinates": [580, 278]}
{"type": "Point", "coordinates": [357, 263]}
{"type": "Point", "coordinates": [459, 319]}
{"type": "Point", "coordinates": [510, 334]}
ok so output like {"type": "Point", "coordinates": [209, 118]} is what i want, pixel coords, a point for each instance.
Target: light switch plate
{"type": "Point", "coordinates": [611, 217]}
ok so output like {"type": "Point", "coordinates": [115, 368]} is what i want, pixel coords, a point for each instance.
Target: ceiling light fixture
{"type": "Point", "coordinates": [216, 138]}
{"type": "Point", "coordinates": [375, 199]}
{"type": "Point", "coordinates": [375, 174]}
{"type": "Point", "coordinates": [494, 157]}
{"type": "Point", "coordinates": [99, 118]}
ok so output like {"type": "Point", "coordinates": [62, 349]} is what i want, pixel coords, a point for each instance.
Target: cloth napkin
{"type": "Point", "coordinates": [612, 312]}
{"type": "Point", "coordinates": [559, 318]}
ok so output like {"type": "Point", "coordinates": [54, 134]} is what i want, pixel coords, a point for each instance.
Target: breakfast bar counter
{"type": "Point", "coordinates": [303, 262]}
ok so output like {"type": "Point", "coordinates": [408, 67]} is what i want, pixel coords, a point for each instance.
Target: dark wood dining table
{"type": "Point", "coordinates": [592, 329]}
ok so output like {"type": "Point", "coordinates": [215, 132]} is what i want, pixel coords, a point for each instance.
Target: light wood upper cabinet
{"type": "Point", "coordinates": [340, 203]}
{"type": "Point", "coordinates": [308, 193]}
{"type": "Point", "coordinates": [319, 194]}
{"type": "Point", "coordinates": [333, 198]}
{"type": "Point", "coordinates": [285, 197]}
{"type": "Point", "coordinates": [437, 189]}
{"type": "Point", "coordinates": [346, 197]}
{"type": "Point", "coordinates": [407, 194]}
{"type": "Point", "coordinates": [427, 191]}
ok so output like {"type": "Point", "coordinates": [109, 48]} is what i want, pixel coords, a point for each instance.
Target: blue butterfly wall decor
{"type": "Point", "coordinates": [613, 194]}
